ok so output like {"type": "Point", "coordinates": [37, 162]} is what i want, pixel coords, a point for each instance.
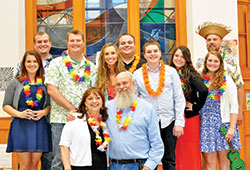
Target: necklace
{"type": "Point", "coordinates": [135, 63]}
{"type": "Point", "coordinates": [128, 119]}
{"type": "Point", "coordinates": [102, 146]}
{"type": "Point", "coordinates": [27, 91]}
{"type": "Point", "coordinates": [182, 81]}
{"type": "Point", "coordinates": [72, 70]}
{"type": "Point", "coordinates": [221, 90]}
{"type": "Point", "coordinates": [161, 85]}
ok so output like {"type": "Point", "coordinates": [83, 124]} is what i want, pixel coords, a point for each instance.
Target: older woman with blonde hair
{"type": "Point", "coordinates": [109, 65]}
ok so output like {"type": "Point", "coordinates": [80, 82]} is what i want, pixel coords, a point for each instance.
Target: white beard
{"type": "Point", "coordinates": [125, 100]}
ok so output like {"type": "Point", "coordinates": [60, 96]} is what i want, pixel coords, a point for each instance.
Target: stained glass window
{"type": "Point", "coordinates": [106, 20]}
{"type": "Point", "coordinates": [55, 17]}
{"type": "Point", "coordinates": [157, 22]}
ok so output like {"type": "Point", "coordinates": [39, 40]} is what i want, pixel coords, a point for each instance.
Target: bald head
{"type": "Point", "coordinates": [124, 82]}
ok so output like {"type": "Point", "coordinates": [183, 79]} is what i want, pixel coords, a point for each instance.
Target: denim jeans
{"type": "Point", "coordinates": [169, 140]}
{"type": "Point", "coordinates": [47, 157]}
{"type": "Point", "coordinates": [46, 160]}
{"type": "Point", "coordinates": [132, 166]}
{"type": "Point", "coordinates": [56, 129]}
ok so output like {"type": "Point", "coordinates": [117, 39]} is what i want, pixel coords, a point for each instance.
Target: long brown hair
{"type": "Point", "coordinates": [188, 69]}
{"type": "Point", "coordinates": [218, 77]}
{"type": "Point", "coordinates": [82, 107]}
{"type": "Point", "coordinates": [24, 73]}
{"type": "Point", "coordinates": [103, 71]}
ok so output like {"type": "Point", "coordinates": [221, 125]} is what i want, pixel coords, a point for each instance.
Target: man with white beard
{"type": "Point", "coordinates": [133, 128]}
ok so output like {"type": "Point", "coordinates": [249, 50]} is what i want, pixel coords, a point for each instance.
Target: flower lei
{"type": "Point", "coordinates": [27, 91]}
{"type": "Point", "coordinates": [128, 119]}
{"type": "Point", "coordinates": [72, 71]}
{"type": "Point", "coordinates": [221, 90]}
{"type": "Point", "coordinates": [102, 146]}
{"type": "Point", "coordinates": [135, 63]}
{"type": "Point", "coordinates": [161, 85]}
{"type": "Point", "coordinates": [182, 81]}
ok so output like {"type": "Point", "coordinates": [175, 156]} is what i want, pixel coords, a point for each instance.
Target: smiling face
{"type": "Point", "coordinates": [213, 42]}
{"type": "Point", "coordinates": [127, 46]}
{"type": "Point", "coordinates": [42, 44]}
{"type": "Point", "coordinates": [75, 43]}
{"type": "Point", "coordinates": [212, 63]}
{"type": "Point", "coordinates": [152, 54]}
{"type": "Point", "coordinates": [110, 55]}
{"type": "Point", "coordinates": [178, 59]}
{"type": "Point", "coordinates": [94, 103]}
{"type": "Point", "coordinates": [31, 64]}
{"type": "Point", "coordinates": [124, 83]}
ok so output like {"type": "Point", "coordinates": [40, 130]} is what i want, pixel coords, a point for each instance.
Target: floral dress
{"type": "Point", "coordinates": [211, 139]}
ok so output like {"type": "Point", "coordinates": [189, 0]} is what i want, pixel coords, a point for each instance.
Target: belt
{"type": "Point", "coordinates": [127, 161]}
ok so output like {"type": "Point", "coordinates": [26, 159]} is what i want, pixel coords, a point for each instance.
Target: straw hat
{"type": "Point", "coordinates": [213, 28]}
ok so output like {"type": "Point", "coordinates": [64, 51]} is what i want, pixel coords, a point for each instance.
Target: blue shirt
{"type": "Point", "coordinates": [170, 104]}
{"type": "Point", "coordinates": [141, 139]}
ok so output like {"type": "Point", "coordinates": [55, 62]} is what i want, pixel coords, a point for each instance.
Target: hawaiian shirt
{"type": "Point", "coordinates": [230, 65]}
{"type": "Point", "coordinates": [58, 75]}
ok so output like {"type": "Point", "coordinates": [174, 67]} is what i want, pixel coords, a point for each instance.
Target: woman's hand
{"type": "Point", "coordinates": [189, 106]}
{"type": "Point", "coordinates": [38, 114]}
{"type": "Point", "coordinates": [26, 114]}
{"type": "Point", "coordinates": [230, 134]}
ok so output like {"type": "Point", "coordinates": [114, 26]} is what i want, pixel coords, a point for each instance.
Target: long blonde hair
{"type": "Point", "coordinates": [103, 71]}
{"type": "Point", "coordinates": [218, 77]}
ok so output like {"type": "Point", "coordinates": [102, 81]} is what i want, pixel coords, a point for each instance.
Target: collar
{"type": "Point", "coordinates": [156, 70]}
{"type": "Point", "coordinates": [49, 59]}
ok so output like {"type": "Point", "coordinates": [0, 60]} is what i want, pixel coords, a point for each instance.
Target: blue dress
{"type": "Point", "coordinates": [29, 135]}
{"type": "Point", "coordinates": [211, 139]}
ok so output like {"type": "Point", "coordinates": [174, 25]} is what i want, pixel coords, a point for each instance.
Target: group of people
{"type": "Point", "coordinates": [143, 113]}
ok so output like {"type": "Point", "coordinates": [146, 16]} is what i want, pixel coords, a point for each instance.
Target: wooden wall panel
{"type": "Point", "coordinates": [4, 131]}
{"type": "Point", "coordinates": [244, 58]}
{"type": "Point", "coordinates": [133, 19]}
{"type": "Point", "coordinates": [30, 23]}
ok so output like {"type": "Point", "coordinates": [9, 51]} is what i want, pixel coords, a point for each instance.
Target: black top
{"type": "Point", "coordinates": [99, 159]}
{"type": "Point", "coordinates": [197, 96]}
{"type": "Point", "coordinates": [142, 61]}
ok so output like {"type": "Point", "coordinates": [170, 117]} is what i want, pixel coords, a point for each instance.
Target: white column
{"type": "Point", "coordinates": [12, 36]}
{"type": "Point", "coordinates": [199, 11]}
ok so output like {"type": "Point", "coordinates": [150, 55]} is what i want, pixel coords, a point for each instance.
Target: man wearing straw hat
{"type": "Point", "coordinates": [214, 33]}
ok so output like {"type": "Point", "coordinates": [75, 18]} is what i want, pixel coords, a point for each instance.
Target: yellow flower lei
{"type": "Point", "coordinates": [135, 63]}
{"type": "Point", "coordinates": [128, 119]}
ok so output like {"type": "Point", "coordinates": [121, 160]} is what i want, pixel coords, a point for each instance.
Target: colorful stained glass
{"type": "Point", "coordinates": [158, 23]}
{"type": "Point", "coordinates": [105, 22]}
{"type": "Point", "coordinates": [55, 18]}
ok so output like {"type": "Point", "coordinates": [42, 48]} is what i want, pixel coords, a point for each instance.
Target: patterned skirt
{"type": "Point", "coordinates": [211, 139]}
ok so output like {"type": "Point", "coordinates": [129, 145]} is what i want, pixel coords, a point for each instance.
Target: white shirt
{"type": "Point", "coordinates": [170, 104]}
{"type": "Point", "coordinates": [76, 136]}
{"type": "Point", "coordinates": [229, 100]}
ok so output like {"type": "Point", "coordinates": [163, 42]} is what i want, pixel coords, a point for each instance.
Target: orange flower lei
{"type": "Point", "coordinates": [161, 85]}
{"type": "Point", "coordinates": [135, 63]}
{"type": "Point", "coordinates": [128, 119]}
